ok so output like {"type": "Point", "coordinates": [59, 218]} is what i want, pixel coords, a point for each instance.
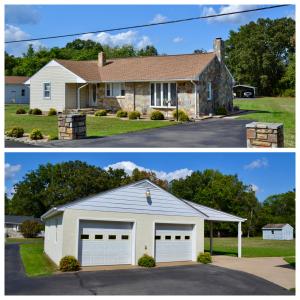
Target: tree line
{"type": "Point", "coordinates": [52, 185]}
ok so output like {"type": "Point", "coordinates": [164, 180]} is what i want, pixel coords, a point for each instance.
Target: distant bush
{"type": "Point", "coordinates": [122, 114]}
{"type": "Point", "coordinates": [69, 263]}
{"type": "Point", "coordinates": [36, 111]}
{"type": "Point", "coordinates": [146, 261]}
{"type": "Point", "coordinates": [221, 110]}
{"type": "Point", "coordinates": [36, 134]}
{"type": "Point", "coordinates": [31, 228]}
{"type": "Point", "coordinates": [20, 111]}
{"type": "Point", "coordinates": [182, 115]}
{"type": "Point", "coordinates": [52, 112]}
{"type": "Point", "coordinates": [101, 113]}
{"type": "Point", "coordinates": [288, 93]}
{"type": "Point", "coordinates": [236, 108]}
{"type": "Point", "coordinates": [133, 115]}
{"type": "Point", "coordinates": [16, 132]}
{"type": "Point", "coordinates": [204, 258]}
{"type": "Point", "coordinates": [157, 115]}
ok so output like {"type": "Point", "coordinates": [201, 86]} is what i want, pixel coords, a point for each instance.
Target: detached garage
{"type": "Point", "coordinates": [119, 226]}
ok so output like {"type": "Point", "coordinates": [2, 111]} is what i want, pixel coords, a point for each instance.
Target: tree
{"type": "Point", "coordinates": [199, 51]}
{"type": "Point", "coordinates": [147, 51]}
{"type": "Point", "coordinates": [258, 53]}
{"type": "Point", "coordinates": [140, 175]}
{"type": "Point", "coordinates": [7, 205]}
{"type": "Point", "coordinates": [31, 228]}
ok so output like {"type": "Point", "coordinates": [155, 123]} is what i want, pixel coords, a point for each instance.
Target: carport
{"type": "Point", "coordinates": [213, 215]}
{"type": "Point", "coordinates": [239, 90]}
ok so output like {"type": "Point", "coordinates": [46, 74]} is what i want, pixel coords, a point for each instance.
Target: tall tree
{"type": "Point", "coordinates": [141, 174]}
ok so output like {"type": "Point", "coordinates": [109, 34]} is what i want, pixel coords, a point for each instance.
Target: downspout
{"type": "Point", "coordinates": [134, 96]}
{"type": "Point", "coordinates": [78, 95]}
{"type": "Point", "coordinates": [195, 85]}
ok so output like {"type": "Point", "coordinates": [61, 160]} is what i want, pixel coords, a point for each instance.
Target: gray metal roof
{"type": "Point", "coordinates": [275, 226]}
{"type": "Point", "coordinates": [11, 219]}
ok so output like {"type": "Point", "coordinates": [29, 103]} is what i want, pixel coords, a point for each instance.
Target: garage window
{"type": "Point", "coordinates": [177, 237]}
{"type": "Point", "coordinates": [167, 237]}
{"type": "Point", "coordinates": [98, 237]}
{"type": "Point", "coordinates": [157, 237]}
{"type": "Point", "coordinates": [112, 237]}
{"type": "Point", "coordinates": [187, 237]}
{"type": "Point", "coordinates": [84, 236]}
{"type": "Point", "coordinates": [125, 237]}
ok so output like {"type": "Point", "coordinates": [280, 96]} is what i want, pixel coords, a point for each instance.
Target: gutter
{"type": "Point", "coordinates": [78, 95]}
{"type": "Point", "coordinates": [195, 85]}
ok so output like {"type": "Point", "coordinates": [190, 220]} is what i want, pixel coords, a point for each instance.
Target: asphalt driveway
{"type": "Point", "coordinates": [211, 133]}
{"type": "Point", "coordinates": [183, 280]}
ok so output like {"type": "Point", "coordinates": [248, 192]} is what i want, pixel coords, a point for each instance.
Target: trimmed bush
{"type": "Point", "coordinates": [21, 111]}
{"type": "Point", "coordinates": [30, 228]}
{"type": "Point", "coordinates": [36, 111]}
{"type": "Point", "coordinates": [122, 114]}
{"type": "Point", "coordinates": [157, 115]}
{"type": "Point", "coordinates": [182, 115]}
{"type": "Point", "coordinates": [30, 111]}
{"type": "Point", "coordinates": [69, 263]}
{"type": "Point", "coordinates": [36, 134]}
{"type": "Point", "coordinates": [146, 261]}
{"type": "Point", "coordinates": [16, 132]}
{"type": "Point", "coordinates": [133, 115]}
{"type": "Point", "coordinates": [204, 258]}
{"type": "Point", "coordinates": [221, 111]}
{"type": "Point", "coordinates": [236, 108]}
{"type": "Point", "coordinates": [52, 112]}
{"type": "Point", "coordinates": [101, 113]}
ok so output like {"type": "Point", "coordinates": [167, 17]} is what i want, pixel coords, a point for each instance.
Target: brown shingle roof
{"type": "Point", "coordinates": [15, 79]}
{"type": "Point", "coordinates": [149, 68]}
{"type": "Point", "coordinates": [275, 226]}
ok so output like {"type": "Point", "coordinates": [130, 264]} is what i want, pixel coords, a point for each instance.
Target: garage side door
{"type": "Point", "coordinates": [105, 243]}
{"type": "Point", "coordinates": [173, 242]}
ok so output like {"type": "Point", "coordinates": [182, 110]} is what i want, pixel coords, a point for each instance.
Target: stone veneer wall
{"type": "Point", "coordinates": [71, 127]}
{"type": "Point", "coordinates": [268, 135]}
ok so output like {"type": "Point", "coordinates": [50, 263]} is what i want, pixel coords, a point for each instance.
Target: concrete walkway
{"type": "Point", "coordinates": [274, 269]}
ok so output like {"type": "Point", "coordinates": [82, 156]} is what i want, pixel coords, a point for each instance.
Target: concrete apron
{"type": "Point", "coordinates": [274, 269]}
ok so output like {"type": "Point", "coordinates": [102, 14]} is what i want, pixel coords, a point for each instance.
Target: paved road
{"type": "Point", "coordinates": [212, 133]}
{"type": "Point", "coordinates": [184, 280]}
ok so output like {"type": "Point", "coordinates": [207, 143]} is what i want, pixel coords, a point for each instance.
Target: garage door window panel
{"type": "Point", "coordinates": [98, 237]}
{"type": "Point", "coordinates": [112, 237]}
{"type": "Point", "coordinates": [84, 236]}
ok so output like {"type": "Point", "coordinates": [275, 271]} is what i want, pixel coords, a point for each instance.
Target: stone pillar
{"type": "Point", "coordinates": [71, 127]}
{"type": "Point", "coordinates": [267, 135]}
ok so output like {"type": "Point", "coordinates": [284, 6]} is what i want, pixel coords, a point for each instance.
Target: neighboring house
{"type": "Point", "coordinates": [15, 90]}
{"type": "Point", "coordinates": [278, 232]}
{"type": "Point", "coordinates": [120, 225]}
{"type": "Point", "coordinates": [12, 224]}
{"type": "Point", "coordinates": [198, 83]}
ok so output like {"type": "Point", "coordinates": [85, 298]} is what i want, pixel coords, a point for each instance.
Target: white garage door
{"type": "Point", "coordinates": [105, 243]}
{"type": "Point", "coordinates": [173, 242]}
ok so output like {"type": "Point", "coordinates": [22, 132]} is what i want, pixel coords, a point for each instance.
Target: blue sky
{"type": "Point", "coordinates": [40, 20]}
{"type": "Point", "coordinates": [269, 173]}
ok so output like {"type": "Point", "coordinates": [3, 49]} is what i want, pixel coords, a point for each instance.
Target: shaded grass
{"type": "Point", "coordinates": [24, 241]}
{"type": "Point", "coordinates": [291, 260]}
{"type": "Point", "coordinates": [252, 247]}
{"type": "Point", "coordinates": [96, 126]}
{"type": "Point", "coordinates": [271, 109]}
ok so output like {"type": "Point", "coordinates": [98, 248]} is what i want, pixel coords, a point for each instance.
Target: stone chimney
{"type": "Point", "coordinates": [219, 48]}
{"type": "Point", "coordinates": [101, 59]}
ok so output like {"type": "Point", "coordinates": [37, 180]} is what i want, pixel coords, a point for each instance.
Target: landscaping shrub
{"type": "Point", "coordinates": [288, 93]}
{"type": "Point", "coordinates": [30, 111]}
{"type": "Point", "coordinates": [36, 111]}
{"type": "Point", "coordinates": [16, 132]}
{"type": "Point", "coordinates": [52, 112]}
{"type": "Point", "coordinates": [146, 261]}
{"type": "Point", "coordinates": [204, 258]}
{"type": "Point", "coordinates": [31, 228]}
{"type": "Point", "coordinates": [182, 115]}
{"type": "Point", "coordinates": [122, 114]}
{"type": "Point", "coordinates": [69, 263]}
{"type": "Point", "coordinates": [36, 134]}
{"type": "Point", "coordinates": [221, 111]}
{"type": "Point", "coordinates": [21, 111]}
{"type": "Point", "coordinates": [157, 115]}
{"type": "Point", "coordinates": [101, 113]}
{"type": "Point", "coordinates": [236, 108]}
{"type": "Point", "coordinates": [133, 115]}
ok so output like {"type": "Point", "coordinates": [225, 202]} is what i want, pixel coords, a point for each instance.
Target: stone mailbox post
{"type": "Point", "coordinates": [71, 127]}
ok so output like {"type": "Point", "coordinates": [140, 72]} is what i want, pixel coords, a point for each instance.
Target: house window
{"type": "Point", "coordinates": [272, 231]}
{"type": "Point", "coordinates": [115, 89]}
{"type": "Point", "coordinates": [163, 94]}
{"type": "Point", "coordinates": [47, 90]}
{"type": "Point", "coordinates": [23, 92]}
{"type": "Point", "coordinates": [209, 91]}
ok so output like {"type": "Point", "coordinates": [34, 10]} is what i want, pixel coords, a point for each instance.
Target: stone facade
{"type": "Point", "coordinates": [71, 127]}
{"type": "Point", "coordinates": [267, 135]}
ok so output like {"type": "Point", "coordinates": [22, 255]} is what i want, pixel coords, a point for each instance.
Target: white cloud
{"type": "Point", "coordinates": [11, 170]}
{"type": "Point", "coordinates": [21, 14]}
{"type": "Point", "coordinates": [177, 39]}
{"type": "Point", "coordinates": [236, 18]}
{"type": "Point", "coordinates": [159, 18]}
{"type": "Point", "coordinates": [129, 166]}
{"type": "Point", "coordinates": [257, 164]}
{"type": "Point", "coordinates": [120, 39]}
{"type": "Point", "coordinates": [254, 188]}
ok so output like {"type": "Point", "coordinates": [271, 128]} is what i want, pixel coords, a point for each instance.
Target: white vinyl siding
{"type": "Point", "coordinates": [115, 89]}
{"type": "Point", "coordinates": [163, 94]}
{"type": "Point", "coordinates": [47, 90]}
{"type": "Point", "coordinates": [209, 91]}
{"type": "Point", "coordinates": [285, 233]}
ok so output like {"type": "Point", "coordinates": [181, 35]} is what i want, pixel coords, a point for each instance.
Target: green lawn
{"type": "Point", "coordinates": [252, 247]}
{"type": "Point", "coordinates": [96, 126]}
{"type": "Point", "coordinates": [277, 110]}
{"type": "Point", "coordinates": [291, 260]}
{"type": "Point", "coordinates": [24, 241]}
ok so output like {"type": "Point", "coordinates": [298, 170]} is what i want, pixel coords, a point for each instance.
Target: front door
{"type": "Point", "coordinates": [93, 94]}
{"type": "Point", "coordinates": [12, 97]}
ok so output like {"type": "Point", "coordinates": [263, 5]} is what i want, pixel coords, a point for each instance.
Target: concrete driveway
{"type": "Point", "coordinates": [211, 133]}
{"type": "Point", "coordinates": [195, 279]}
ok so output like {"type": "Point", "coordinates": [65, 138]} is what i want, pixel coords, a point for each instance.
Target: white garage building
{"type": "Point", "coordinates": [278, 232]}
{"type": "Point", "coordinates": [120, 225]}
